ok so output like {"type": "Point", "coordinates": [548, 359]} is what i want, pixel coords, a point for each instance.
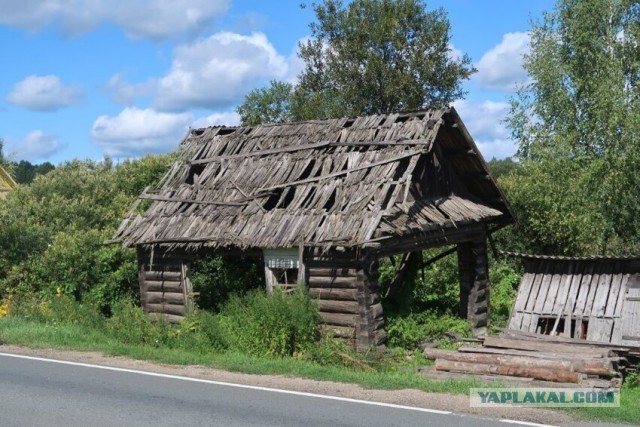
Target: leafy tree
{"type": "Point", "coordinates": [367, 57]}
{"type": "Point", "coordinates": [25, 172]}
{"type": "Point", "coordinates": [582, 106]}
{"type": "Point", "coordinates": [52, 231]}
{"type": "Point", "coordinates": [502, 167]}
{"type": "Point", "coordinates": [267, 105]}
{"type": "Point", "coordinates": [3, 161]}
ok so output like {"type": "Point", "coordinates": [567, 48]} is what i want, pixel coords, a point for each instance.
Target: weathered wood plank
{"type": "Point", "coordinates": [159, 286]}
{"type": "Point", "coordinates": [342, 294]}
{"type": "Point", "coordinates": [163, 298]}
{"type": "Point", "coordinates": [531, 345]}
{"type": "Point", "coordinates": [166, 309]}
{"type": "Point", "coordinates": [330, 282]}
{"type": "Point", "coordinates": [337, 272]}
{"type": "Point", "coordinates": [564, 340]}
{"type": "Point", "coordinates": [339, 319]}
{"type": "Point", "coordinates": [525, 287]}
{"type": "Point", "coordinates": [333, 306]}
{"type": "Point", "coordinates": [583, 291]}
{"type": "Point", "coordinates": [600, 329]}
{"type": "Point", "coordinates": [554, 375]}
{"type": "Point", "coordinates": [545, 285]}
{"type": "Point", "coordinates": [554, 289]}
{"type": "Point", "coordinates": [169, 276]}
{"type": "Point", "coordinates": [600, 366]}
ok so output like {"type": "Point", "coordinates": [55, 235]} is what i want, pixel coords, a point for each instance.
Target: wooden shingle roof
{"type": "Point", "coordinates": [343, 181]}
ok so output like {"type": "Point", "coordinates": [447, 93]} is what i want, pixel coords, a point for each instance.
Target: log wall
{"type": "Point", "coordinates": [348, 303]}
{"type": "Point", "coordinates": [473, 266]}
{"type": "Point", "coordinates": [165, 288]}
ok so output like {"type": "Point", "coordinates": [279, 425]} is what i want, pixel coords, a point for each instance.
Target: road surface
{"type": "Point", "coordinates": [43, 392]}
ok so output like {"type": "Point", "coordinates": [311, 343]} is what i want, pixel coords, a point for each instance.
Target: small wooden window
{"type": "Point", "coordinates": [282, 269]}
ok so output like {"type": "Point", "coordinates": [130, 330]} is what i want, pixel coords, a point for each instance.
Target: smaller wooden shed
{"type": "Point", "coordinates": [591, 298]}
{"type": "Point", "coordinates": [7, 184]}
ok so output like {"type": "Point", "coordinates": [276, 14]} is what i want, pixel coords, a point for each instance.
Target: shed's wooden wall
{"type": "Point", "coordinates": [586, 289]}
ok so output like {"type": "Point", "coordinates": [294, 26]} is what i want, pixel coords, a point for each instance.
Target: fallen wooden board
{"type": "Point", "coordinates": [520, 344]}
{"type": "Point", "coordinates": [540, 354]}
{"type": "Point", "coordinates": [508, 333]}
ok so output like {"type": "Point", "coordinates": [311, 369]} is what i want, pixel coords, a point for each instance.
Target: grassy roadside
{"type": "Point", "coordinates": [32, 334]}
{"type": "Point", "coordinates": [36, 335]}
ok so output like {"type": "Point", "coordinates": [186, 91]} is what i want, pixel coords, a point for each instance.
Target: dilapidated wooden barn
{"type": "Point", "coordinates": [321, 202]}
{"type": "Point", "coordinates": [592, 298]}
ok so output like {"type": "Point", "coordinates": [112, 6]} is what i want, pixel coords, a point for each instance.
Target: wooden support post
{"type": "Point", "coordinates": [465, 275]}
{"type": "Point", "coordinates": [370, 327]}
{"type": "Point", "coordinates": [474, 284]}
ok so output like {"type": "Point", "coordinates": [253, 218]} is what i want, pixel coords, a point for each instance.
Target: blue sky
{"type": "Point", "coordinates": [89, 78]}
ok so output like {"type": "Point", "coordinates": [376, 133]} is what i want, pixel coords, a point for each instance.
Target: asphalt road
{"type": "Point", "coordinates": [44, 393]}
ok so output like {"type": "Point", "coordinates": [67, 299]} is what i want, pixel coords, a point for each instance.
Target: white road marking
{"type": "Point", "coordinates": [221, 383]}
{"type": "Point", "coordinates": [525, 423]}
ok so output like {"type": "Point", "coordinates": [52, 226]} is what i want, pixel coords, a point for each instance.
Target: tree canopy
{"type": "Point", "coordinates": [580, 114]}
{"type": "Point", "coordinates": [366, 57]}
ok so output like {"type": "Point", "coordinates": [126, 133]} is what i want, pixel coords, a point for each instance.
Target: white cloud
{"type": "Point", "coordinates": [122, 92]}
{"type": "Point", "coordinates": [217, 71]}
{"type": "Point", "coordinates": [484, 120]}
{"type": "Point", "coordinates": [156, 19]}
{"type": "Point", "coordinates": [454, 53]}
{"type": "Point", "coordinates": [230, 118]}
{"type": "Point", "coordinates": [501, 67]}
{"type": "Point", "coordinates": [134, 132]}
{"type": "Point", "coordinates": [36, 146]}
{"type": "Point", "coordinates": [44, 93]}
{"type": "Point", "coordinates": [296, 64]}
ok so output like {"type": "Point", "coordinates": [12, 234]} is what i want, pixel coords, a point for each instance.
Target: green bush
{"type": "Point", "coordinates": [408, 331]}
{"type": "Point", "coordinates": [129, 324]}
{"type": "Point", "coordinates": [434, 288]}
{"type": "Point", "coordinates": [214, 278]}
{"type": "Point", "coordinates": [504, 287]}
{"type": "Point", "coordinates": [77, 263]}
{"type": "Point", "coordinates": [277, 324]}
{"type": "Point", "coordinates": [58, 310]}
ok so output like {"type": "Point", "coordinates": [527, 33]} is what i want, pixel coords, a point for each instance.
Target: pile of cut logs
{"type": "Point", "coordinates": [518, 359]}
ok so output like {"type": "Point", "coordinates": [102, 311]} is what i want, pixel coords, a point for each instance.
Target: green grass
{"type": "Point", "coordinates": [628, 412]}
{"type": "Point", "coordinates": [32, 334]}
{"type": "Point", "coordinates": [19, 331]}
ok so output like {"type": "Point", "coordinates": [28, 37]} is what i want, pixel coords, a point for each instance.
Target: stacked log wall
{"type": "Point", "coordinates": [165, 288]}
{"type": "Point", "coordinates": [473, 267]}
{"type": "Point", "coordinates": [348, 304]}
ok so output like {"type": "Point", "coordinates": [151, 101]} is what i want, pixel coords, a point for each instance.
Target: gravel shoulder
{"type": "Point", "coordinates": [448, 402]}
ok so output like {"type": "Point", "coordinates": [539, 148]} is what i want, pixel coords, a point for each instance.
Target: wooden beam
{"type": "Point", "coordinates": [192, 201]}
{"type": "Point", "coordinates": [531, 345]}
